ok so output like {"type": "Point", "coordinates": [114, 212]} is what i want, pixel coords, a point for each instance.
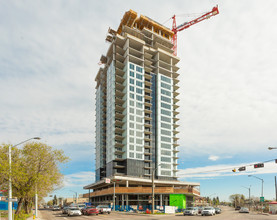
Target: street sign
{"type": "Point", "coordinates": [261, 199]}
{"type": "Point", "coordinates": [107, 180]}
{"type": "Point", "coordinates": [11, 199]}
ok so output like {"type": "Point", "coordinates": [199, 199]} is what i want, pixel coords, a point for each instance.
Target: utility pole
{"type": "Point", "coordinates": [275, 189]}
{"type": "Point", "coordinates": [249, 194]}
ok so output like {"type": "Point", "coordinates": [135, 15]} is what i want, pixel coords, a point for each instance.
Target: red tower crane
{"type": "Point", "coordinates": [186, 25]}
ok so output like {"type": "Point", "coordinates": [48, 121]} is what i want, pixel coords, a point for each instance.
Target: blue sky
{"type": "Point", "coordinates": [49, 54]}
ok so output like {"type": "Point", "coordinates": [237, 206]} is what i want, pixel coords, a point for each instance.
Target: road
{"type": "Point", "coordinates": [227, 214]}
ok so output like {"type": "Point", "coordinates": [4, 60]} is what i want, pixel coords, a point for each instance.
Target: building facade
{"type": "Point", "coordinates": [136, 119]}
{"type": "Point", "coordinates": [136, 102]}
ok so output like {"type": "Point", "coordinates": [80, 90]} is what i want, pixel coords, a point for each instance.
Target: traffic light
{"type": "Point", "coordinates": [258, 165]}
{"type": "Point", "coordinates": [242, 168]}
{"type": "Point", "coordinates": [234, 170]}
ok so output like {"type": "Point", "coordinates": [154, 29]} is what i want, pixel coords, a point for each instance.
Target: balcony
{"type": "Point", "coordinates": [119, 108]}
{"type": "Point", "coordinates": [119, 122]}
{"type": "Point", "coordinates": [119, 137]}
{"type": "Point", "coordinates": [119, 86]}
{"type": "Point", "coordinates": [119, 115]}
{"type": "Point", "coordinates": [147, 117]}
{"type": "Point", "coordinates": [119, 101]}
{"type": "Point", "coordinates": [118, 144]}
{"type": "Point", "coordinates": [119, 79]}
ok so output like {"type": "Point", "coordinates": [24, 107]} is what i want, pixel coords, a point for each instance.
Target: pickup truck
{"type": "Point", "coordinates": [104, 209]}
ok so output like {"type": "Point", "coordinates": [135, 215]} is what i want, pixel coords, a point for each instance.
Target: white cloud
{"type": "Point", "coordinates": [79, 179]}
{"type": "Point", "coordinates": [213, 157]}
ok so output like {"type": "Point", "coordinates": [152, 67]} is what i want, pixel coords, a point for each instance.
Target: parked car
{"type": "Point", "coordinates": [81, 206]}
{"type": "Point", "coordinates": [90, 210]}
{"type": "Point", "coordinates": [208, 211]}
{"type": "Point", "coordinates": [237, 208]}
{"type": "Point", "coordinates": [104, 209]}
{"type": "Point", "coordinates": [244, 210]}
{"type": "Point", "coordinates": [65, 210]}
{"type": "Point", "coordinates": [73, 211]}
{"type": "Point", "coordinates": [200, 208]}
{"type": "Point", "coordinates": [191, 211]}
{"type": "Point", "coordinates": [56, 208]}
{"type": "Point", "coordinates": [217, 210]}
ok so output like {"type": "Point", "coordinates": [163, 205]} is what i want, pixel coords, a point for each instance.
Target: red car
{"type": "Point", "coordinates": [90, 210]}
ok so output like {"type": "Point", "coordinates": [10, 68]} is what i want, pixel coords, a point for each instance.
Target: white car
{"type": "Point", "coordinates": [191, 211]}
{"type": "Point", "coordinates": [73, 211]}
{"type": "Point", "coordinates": [208, 211]}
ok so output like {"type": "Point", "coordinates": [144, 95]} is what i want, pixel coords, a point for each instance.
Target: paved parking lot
{"type": "Point", "coordinates": [227, 214]}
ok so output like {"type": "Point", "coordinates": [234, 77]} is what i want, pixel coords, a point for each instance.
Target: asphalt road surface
{"type": "Point", "coordinates": [227, 214]}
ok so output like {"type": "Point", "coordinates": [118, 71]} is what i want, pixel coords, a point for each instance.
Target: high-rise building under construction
{"type": "Point", "coordinates": [136, 102]}
{"type": "Point", "coordinates": [136, 119]}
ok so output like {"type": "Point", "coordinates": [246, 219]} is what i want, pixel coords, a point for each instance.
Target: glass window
{"type": "Point", "coordinates": [165, 166]}
{"type": "Point", "coordinates": [139, 134]}
{"type": "Point", "coordinates": [139, 90]}
{"type": "Point", "coordinates": [165, 132]}
{"type": "Point", "coordinates": [132, 125]}
{"type": "Point", "coordinates": [166, 119]}
{"type": "Point", "coordinates": [139, 141]}
{"type": "Point", "coordinates": [166, 153]}
{"type": "Point", "coordinates": [139, 119]}
{"type": "Point", "coordinates": [165, 99]}
{"type": "Point", "coordinates": [132, 74]}
{"type": "Point", "coordinates": [132, 110]}
{"type": "Point", "coordinates": [165, 173]}
{"type": "Point", "coordinates": [131, 132]}
{"type": "Point", "coordinates": [166, 86]}
{"type": "Point", "coordinates": [166, 159]}
{"type": "Point", "coordinates": [165, 146]}
{"type": "Point", "coordinates": [132, 67]}
{"type": "Point", "coordinates": [165, 112]}
{"type": "Point", "coordinates": [132, 89]}
{"type": "Point", "coordinates": [139, 156]}
{"type": "Point", "coordinates": [164, 125]}
{"type": "Point", "coordinates": [132, 81]}
{"type": "Point", "coordinates": [139, 69]}
{"type": "Point", "coordinates": [139, 112]}
{"type": "Point", "coordinates": [131, 147]}
{"type": "Point", "coordinates": [138, 83]}
{"type": "Point", "coordinates": [139, 98]}
{"type": "Point", "coordinates": [139, 105]}
{"type": "Point", "coordinates": [165, 105]}
{"type": "Point", "coordinates": [131, 154]}
{"type": "Point", "coordinates": [165, 79]}
{"type": "Point", "coordinates": [138, 127]}
{"type": "Point", "coordinates": [165, 139]}
{"type": "Point", "coordinates": [165, 92]}
{"type": "Point", "coordinates": [131, 139]}
{"type": "Point", "coordinates": [132, 103]}
{"type": "Point", "coordinates": [139, 76]}
{"type": "Point", "coordinates": [138, 148]}
{"type": "Point", "coordinates": [132, 96]}
{"type": "Point", "coordinates": [132, 118]}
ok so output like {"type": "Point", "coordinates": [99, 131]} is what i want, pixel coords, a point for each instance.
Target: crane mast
{"type": "Point", "coordinates": [186, 25]}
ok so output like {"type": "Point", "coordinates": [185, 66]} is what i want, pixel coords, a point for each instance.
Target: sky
{"type": "Point", "coordinates": [49, 55]}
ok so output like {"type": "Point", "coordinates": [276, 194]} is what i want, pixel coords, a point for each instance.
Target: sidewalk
{"type": "Point", "coordinates": [37, 218]}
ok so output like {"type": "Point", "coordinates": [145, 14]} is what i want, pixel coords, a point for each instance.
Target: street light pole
{"type": "Point", "coordinates": [262, 195]}
{"type": "Point", "coordinates": [249, 193]}
{"type": "Point", "coordinates": [271, 148]}
{"type": "Point", "coordinates": [10, 175]}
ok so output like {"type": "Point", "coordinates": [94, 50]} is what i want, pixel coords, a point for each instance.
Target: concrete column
{"type": "Point", "coordinates": [161, 199]}
{"type": "Point", "coordinates": [123, 199]}
{"type": "Point", "coordinates": [127, 183]}
{"type": "Point", "coordinates": [127, 199]}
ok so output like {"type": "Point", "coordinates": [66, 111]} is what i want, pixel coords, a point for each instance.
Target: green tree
{"type": "Point", "coordinates": [237, 199]}
{"type": "Point", "coordinates": [34, 168]}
